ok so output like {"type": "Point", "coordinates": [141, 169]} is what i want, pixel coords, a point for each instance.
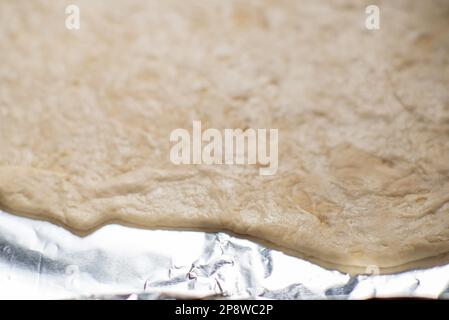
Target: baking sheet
{"type": "Point", "coordinates": [40, 260]}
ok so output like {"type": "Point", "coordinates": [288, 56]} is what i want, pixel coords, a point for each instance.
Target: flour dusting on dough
{"type": "Point", "coordinates": [363, 118]}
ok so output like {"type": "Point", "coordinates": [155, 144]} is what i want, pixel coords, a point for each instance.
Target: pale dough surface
{"type": "Point", "coordinates": [363, 120]}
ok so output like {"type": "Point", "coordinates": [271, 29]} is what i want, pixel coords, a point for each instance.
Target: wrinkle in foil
{"type": "Point", "coordinates": [40, 260]}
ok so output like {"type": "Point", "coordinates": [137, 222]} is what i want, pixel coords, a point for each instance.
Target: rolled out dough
{"type": "Point", "coordinates": [363, 119]}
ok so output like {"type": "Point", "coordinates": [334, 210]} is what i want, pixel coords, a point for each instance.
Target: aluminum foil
{"type": "Point", "coordinates": [40, 260]}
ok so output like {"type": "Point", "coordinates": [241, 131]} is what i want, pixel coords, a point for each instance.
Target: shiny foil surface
{"type": "Point", "coordinates": [40, 260]}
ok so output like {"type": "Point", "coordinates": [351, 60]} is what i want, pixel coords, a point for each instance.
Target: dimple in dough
{"type": "Point", "coordinates": [363, 119]}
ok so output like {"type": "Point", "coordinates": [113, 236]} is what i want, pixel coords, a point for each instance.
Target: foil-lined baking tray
{"type": "Point", "coordinates": [40, 260]}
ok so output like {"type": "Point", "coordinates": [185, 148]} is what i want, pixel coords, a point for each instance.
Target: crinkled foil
{"type": "Point", "coordinates": [40, 260]}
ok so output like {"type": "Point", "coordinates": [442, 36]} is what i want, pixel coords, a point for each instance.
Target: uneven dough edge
{"type": "Point", "coordinates": [22, 188]}
{"type": "Point", "coordinates": [366, 127]}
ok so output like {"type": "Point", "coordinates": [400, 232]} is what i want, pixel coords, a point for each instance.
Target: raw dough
{"type": "Point", "coordinates": [363, 119]}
